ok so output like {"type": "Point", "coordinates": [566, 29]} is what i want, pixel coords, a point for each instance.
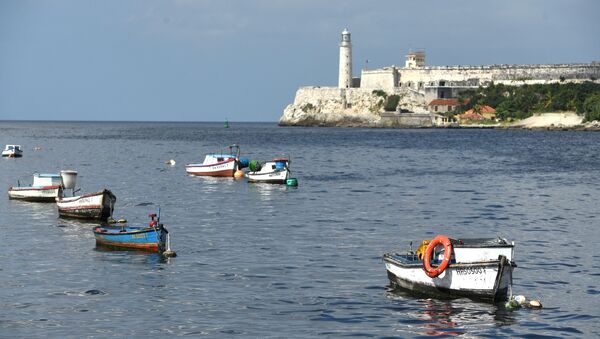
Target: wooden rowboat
{"type": "Point", "coordinates": [151, 238]}
{"type": "Point", "coordinates": [94, 206]}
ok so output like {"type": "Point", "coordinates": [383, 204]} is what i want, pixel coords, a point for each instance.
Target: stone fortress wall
{"type": "Point", "coordinates": [419, 77]}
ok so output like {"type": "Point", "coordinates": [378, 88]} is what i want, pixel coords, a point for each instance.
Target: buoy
{"type": "Point", "coordinates": [122, 221]}
{"type": "Point", "coordinates": [170, 162]}
{"type": "Point", "coordinates": [293, 182]}
{"type": "Point", "coordinates": [520, 299]}
{"type": "Point", "coordinates": [111, 221]}
{"type": "Point", "coordinates": [238, 174]}
{"type": "Point", "coordinates": [169, 254]}
{"type": "Point", "coordinates": [511, 304]}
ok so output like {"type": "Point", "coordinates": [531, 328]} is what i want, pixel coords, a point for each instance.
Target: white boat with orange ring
{"type": "Point", "coordinates": [475, 268]}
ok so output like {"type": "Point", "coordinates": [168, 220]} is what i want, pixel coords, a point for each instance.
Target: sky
{"type": "Point", "coordinates": [243, 60]}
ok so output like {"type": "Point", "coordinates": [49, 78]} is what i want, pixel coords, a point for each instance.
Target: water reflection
{"type": "Point", "coordinates": [130, 255]}
{"type": "Point", "coordinates": [451, 317]}
{"type": "Point", "coordinates": [212, 184]}
{"type": "Point", "coordinates": [266, 190]}
{"type": "Point", "coordinates": [34, 210]}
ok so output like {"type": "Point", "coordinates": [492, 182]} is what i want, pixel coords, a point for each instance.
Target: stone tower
{"type": "Point", "coordinates": [345, 79]}
{"type": "Point", "coordinates": [415, 59]}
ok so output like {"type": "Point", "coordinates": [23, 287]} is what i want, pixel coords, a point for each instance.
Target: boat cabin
{"type": "Point", "coordinates": [16, 148]}
{"type": "Point", "coordinates": [45, 179]}
{"type": "Point", "coordinates": [280, 163]}
{"type": "Point", "coordinates": [215, 158]}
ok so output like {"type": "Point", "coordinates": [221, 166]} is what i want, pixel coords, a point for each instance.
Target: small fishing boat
{"type": "Point", "coordinates": [45, 188]}
{"type": "Point", "coordinates": [151, 238]}
{"type": "Point", "coordinates": [219, 164]}
{"type": "Point", "coordinates": [93, 206]}
{"type": "Point", "coordinates": [474, 268]}
{"type": "Point", "coordinates": [12, 151]}
{"type": "Point", "coordinates": [276, 171]}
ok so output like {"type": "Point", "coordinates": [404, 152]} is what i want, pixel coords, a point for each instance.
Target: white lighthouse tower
{"type": "Point", "coordinates": [345, 79]}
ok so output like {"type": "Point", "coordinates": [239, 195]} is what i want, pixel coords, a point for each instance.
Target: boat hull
{"type": "Point", "coordinates": [137, 238]}
{"type": "Point", "coordinates": [36, 194]}
{"type": "Point", "coordinates": [272, 172]}
{"type": "Point", "coordinates": [12, 154]}
{"type": "Point", "coordinates": [222, 169]}
{"type": "Point", "coordinates": [487, 280]}
{"type": "Point", "coordinates": [93, 206]}
{"type": "Point", "coordinates": [278, 176]}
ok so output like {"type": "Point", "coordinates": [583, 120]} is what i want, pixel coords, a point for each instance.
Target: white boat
{"type": "Point", "coordinates": [219, 164]}
{"type": "Point", "coordinates": [12, 151]}
{"type": "Point", "coordinates": [45, 188]}
{"type": "Point", "coordinates": [475, 268]}
{"type": "Point", "coordinates": [276, 171]}
{"type": "Point", "coordinates": [96, 206]}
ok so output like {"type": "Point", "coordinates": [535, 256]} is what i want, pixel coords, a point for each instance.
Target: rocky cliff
{"type": "Point", "coordinates": [351, 107]}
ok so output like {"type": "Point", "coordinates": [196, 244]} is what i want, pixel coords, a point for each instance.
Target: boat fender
{"type": "Point", "coordinates": [421, 250]}
{"type": "Point", "coordinates": [433, 272]}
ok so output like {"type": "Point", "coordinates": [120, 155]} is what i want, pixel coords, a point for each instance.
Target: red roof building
{"type": "Point", "coordinates": [484, 111]}
{"type": "Point", "coordinates": [442, 105]}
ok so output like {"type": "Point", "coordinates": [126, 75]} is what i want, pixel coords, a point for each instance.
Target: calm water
{"type": "Point", "coordinates": [271, 261]}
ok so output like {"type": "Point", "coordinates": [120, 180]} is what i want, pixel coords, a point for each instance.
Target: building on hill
{"type": "Point", "coordinates": [442, 105]}
{"type": "Point", "coordinates": [479, 112]}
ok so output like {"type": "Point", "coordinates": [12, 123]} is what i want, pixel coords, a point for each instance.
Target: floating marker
{"type": "Point", "coordinates": [293, 182]}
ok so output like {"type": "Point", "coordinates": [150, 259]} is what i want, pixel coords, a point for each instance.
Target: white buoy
{"type": "Point", "coordinates": [170, 162]}
{"type": "Point", "coordinates": [168, 252]}
{"type": "Point", "coordinates": [520, 299]}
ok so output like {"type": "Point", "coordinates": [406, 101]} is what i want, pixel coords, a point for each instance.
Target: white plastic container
{"type": "Point", "coordinates": [69, 178]}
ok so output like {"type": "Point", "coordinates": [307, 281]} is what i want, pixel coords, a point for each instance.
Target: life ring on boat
{"type": "Point", "coordinates": [433, 272]}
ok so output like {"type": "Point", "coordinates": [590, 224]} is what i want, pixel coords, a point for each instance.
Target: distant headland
{"type": "Point", "coordinates": [417, 95]}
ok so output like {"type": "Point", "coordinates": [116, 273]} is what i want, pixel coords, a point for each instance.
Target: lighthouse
{"type": "Point", "coordinates": [345, 79]}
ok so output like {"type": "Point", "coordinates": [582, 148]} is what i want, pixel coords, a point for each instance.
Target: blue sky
{"type": "Point", "coordinates": [206, 60]}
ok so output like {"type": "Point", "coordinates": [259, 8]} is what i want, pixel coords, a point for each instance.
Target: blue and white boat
{"type": "Point", "coordinates": [276, 171]}
{"type": "Point", "coordinates": [151, 238]}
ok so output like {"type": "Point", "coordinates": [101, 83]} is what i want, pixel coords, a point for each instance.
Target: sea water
{"type": "Point", "coordinates": [257, 260]}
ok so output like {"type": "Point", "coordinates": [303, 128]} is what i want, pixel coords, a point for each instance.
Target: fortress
{"type": "Point", "coordinates": [357, 101]}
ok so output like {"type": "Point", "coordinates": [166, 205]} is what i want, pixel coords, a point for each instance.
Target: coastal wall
{"type": "Point", "coordinates": [417, 78]}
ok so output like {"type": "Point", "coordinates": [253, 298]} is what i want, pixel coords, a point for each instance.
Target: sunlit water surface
{"type": "Point", "coordinates": [271, 261]}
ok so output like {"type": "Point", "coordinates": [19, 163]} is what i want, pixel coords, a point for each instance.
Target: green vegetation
{"type": "Point", "coordinates": [391, 103]}
{"type": "Point", "coordinates": [307, 107]}
{"type": "Point", "coordinates": [591, 107]}
{"type": "Point", "coordinates": [519, 102]}
{"type": "Point", "coordinates": [380, 93]}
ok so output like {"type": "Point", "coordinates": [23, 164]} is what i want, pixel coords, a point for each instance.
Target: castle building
{"type": "Point", "coordinates": [423, 92]}
{"type": "Point", "coordinates": [345, 74]}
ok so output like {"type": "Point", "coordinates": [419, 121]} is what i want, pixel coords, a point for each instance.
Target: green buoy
{"type": "Point", "coordinates": [292, 182]}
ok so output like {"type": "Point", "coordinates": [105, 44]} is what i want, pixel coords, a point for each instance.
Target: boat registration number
{"type": "Point", "coordinates": [469, 270]}
{"type": "Point", "coordinates": [138, 236]}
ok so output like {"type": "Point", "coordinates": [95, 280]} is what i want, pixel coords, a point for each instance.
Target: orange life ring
{"type": "Point", "coordinates": [433, 272]}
